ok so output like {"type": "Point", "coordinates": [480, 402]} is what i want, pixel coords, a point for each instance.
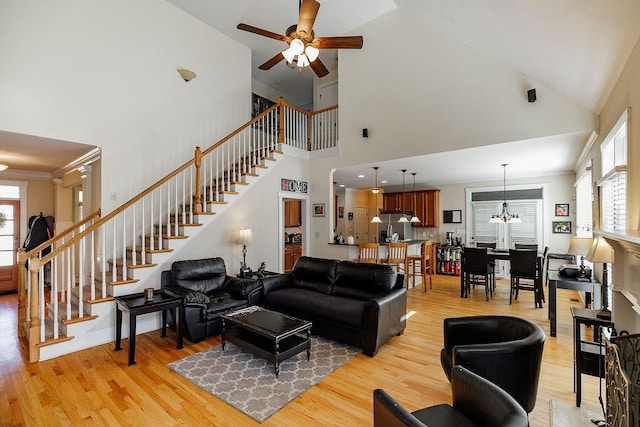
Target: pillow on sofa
{"type": "Point", "coordinates": [196, 298]}
{"type": "Point", "coordinates": [201, 275]}
{"type": "Point", "coordinates": [317, 274]}
{"type": "Point", "coordinates": [363, 281]}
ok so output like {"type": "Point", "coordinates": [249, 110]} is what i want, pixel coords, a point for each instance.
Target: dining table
{"type": "Point", "coordinates": [503, 255]}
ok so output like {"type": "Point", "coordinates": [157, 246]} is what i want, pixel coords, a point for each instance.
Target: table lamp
{"type": "Point", "coordinates": [580, 246]}
{"type": "Point", "coordinates": [602, 252]}
{"type": "Point", "coordinates": [244, 237]}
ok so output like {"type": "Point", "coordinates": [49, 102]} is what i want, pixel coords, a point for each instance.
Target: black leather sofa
{"type": "Point", "coordinates": [363, 305]}
{"type": "Point", "coordinates": [505, 350]}
{"type": "Point", "coordinates": [207, 294]}
{"type": "Point", "coordinates": [476, 402]}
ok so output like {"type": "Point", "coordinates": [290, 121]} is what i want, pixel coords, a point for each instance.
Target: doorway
{"type": "Point", "coordinates": [9, 244]}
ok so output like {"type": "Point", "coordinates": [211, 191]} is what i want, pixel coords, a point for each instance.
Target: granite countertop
{"type": "Point", "coordinates": [409, 242]}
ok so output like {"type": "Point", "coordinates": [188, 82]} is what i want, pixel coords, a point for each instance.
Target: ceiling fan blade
{"type": "Point", "coordinates": [271, 62]}
{"type": "Point", "coordinates": [265, 33]}
{"type": "Point", "coordinates": [308, 13]}
{"type": "Point", "coordinates": [344, 42]}
{"type": "Point", "coordinates": [318, 67]}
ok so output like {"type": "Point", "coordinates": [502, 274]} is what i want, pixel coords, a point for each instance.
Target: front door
{"type": "Point", "coordinates": [9, 243]}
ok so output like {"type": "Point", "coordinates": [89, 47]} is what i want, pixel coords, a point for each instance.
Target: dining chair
{"type": "Point", "coordinates": [420, 265]}
{"type": "Point", "coordinates": [369, 253]}
{"type": "Point", "coordinates": [397, 256]}
{"type": "Point", "coordinates": [526, 246]}
{"type": "Point", "coordinates": [488, 245]}
{"type": "Point", "coordinates": [526, 274]}
{"type": "Point", "coordinates": [477, 271]}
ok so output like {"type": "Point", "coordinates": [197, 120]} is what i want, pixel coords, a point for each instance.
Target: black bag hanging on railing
{"type": "Point", "coordinates": [39, 232]}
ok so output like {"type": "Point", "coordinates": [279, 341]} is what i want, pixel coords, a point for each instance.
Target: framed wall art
{"type": "Point", "coordinates": [561, 227]}
{"type": "Point", "coordinates": [318, 209]}
{"type": "Point", "coordinates": [562, 209]}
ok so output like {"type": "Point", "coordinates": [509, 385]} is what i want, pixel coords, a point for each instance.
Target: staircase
{"type": "Point", "coordinates": [66, 297]}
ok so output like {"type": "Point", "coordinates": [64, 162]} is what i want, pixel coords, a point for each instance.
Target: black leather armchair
{"type": "Point", "coordinates": [208, 293]}
{"type": "Point", "coordinates": [505, 350]}
{"type": "Point", "coordinates": [476, 402]}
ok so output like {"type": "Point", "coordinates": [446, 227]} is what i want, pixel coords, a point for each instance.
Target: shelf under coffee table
{"type": "Point", "coordinates": [267, 334]}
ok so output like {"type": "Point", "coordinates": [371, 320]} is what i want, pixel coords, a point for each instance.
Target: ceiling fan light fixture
{"type": "Point", "coordinates": [296, 46]}
{"type": "Point", "coordinates": [289, 55]}
{"type": "Point", "coordinates": [312, 53]}
{"type": "Point", "coordinates": [3, 167]}
{"type": "Point", "coordinates": [303, 61]}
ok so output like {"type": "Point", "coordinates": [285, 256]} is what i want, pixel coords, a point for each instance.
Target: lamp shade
{"type": "Point", "coordinates": [600, 251]}
{"type": "Point", "coordinates": [580, 246]}
{"type": "Point", "coordinates": [244, 236]}
{"type": "Point", "coordinates": [376, 220]}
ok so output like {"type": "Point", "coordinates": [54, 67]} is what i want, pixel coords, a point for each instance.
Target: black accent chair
{"type": "Point", "coordinates": [505, 350]}
{"type": "Point", "coordinates": [476, 402]}
{"type": "Point", "coordinates": [477, 270]}
{"type": "Point", "coordinates": [208, 293]}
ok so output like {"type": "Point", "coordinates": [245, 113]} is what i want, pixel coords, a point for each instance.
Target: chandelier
{"type": "Point", "coordinates": [505, 216]}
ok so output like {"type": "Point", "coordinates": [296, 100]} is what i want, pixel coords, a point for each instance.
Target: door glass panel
{"type": "Point", "coordinates": [6, 258]}
{"type": "Point", "coordinates": [6, 243]}
{"type": "Point", "coordinates": [7, 229]}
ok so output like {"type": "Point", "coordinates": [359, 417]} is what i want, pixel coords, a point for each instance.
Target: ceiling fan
{"type": "Point", "coordinates": [304, 46]}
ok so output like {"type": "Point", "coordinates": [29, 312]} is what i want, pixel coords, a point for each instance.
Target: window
{"type": "Point", "coordinates": [613, 184]}
{"type": "Point", "coordinates": [527, 203]}
{"type": "Point", "coordinates": [584, 203]}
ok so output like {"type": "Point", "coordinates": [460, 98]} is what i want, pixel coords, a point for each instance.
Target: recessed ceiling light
{"type": "Point", "coordinates": [360, 176]}
{"type": "Point", "coordinates": [341, 186]}
{"type": "Point", "coordinates": [384, 181]}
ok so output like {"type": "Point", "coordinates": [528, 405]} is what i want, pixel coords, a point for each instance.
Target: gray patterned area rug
{"type": "Point", "coordinates": [249, 384]}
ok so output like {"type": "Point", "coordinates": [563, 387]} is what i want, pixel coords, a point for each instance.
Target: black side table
{"type": "Point", "coordinates": [588, 356]}
{"type": "Point", "coordinates": [136, 304]}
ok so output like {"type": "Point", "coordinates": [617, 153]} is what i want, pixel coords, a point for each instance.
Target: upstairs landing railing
{"type": "Point", "coordinates": [103, 252]}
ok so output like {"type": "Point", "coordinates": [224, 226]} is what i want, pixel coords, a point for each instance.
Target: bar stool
{"type": "Point", "coordinates": [369, 253]}
{"type": "Point", "coordinates": [421, 263]}
{"type": "Point", "coordinates": [397, 256]}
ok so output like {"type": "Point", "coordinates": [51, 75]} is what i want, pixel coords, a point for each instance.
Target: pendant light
{"type": "Point", "coordinates": [505, 216]}
{"type": "Point", "coordinates": [375, 190]}
{"type": "Point", "coordinates": [403, 218]}
{"type": "Point", "coordinates": [414, 218]}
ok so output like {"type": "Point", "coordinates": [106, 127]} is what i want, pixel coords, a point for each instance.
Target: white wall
{"type": "Point", "coordinates": [104, 73]}
{"type": "Point", "coordinates": [420, 92]}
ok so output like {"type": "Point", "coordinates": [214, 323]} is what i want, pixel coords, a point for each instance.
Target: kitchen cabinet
{"type": "Point", "coordinates": [427, 206]}
{"type": "Point", "coordinates": [291, 255]}
{"type": "Point", "coordinates": [431, 216]}
{"type": "Point", "coordinates": [395, 203]}
{"type": "Point", "coordinates": [292, 213]}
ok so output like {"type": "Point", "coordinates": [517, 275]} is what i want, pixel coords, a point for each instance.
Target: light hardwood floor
{"type": "Point", "coordinates": [96, 387]}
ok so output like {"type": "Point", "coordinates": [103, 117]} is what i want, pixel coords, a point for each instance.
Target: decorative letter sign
{"type": "Point", "coordinates": [293, 185]}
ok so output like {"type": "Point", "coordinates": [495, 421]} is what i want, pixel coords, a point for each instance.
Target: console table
{"type": "Point", "coordinates": [588, 356]}
{"type": "Point", "coordinates": [557, 281]}
{"type": "Point", "coordinates": [136, 304]}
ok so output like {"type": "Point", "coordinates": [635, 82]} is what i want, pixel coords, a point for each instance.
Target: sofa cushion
{"type": "Point", "coordinates": [363, 281]}
{"type": "Point", "coordinates": [201, 275]}
{"type": "Point", "coordinates": [317, 274]}
{"type": "Point", "coordinates": [317, 306]}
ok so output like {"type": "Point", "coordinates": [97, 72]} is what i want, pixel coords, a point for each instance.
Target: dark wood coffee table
{"type": "Point", "coordinates": [267, 334]}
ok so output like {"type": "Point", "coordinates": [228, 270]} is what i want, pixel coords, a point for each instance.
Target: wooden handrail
{"type": "Point", "coordinates": [333, 107]}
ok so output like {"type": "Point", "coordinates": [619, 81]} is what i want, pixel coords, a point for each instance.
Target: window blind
{"type": "Point", "coordinates": [527, 231]}
{"type": "Point", "coordinates": [613, 201]}
{"type": "Point", "coordinates": [482, 230]}
{"type": "Point", "coordinates": [584, 201]}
